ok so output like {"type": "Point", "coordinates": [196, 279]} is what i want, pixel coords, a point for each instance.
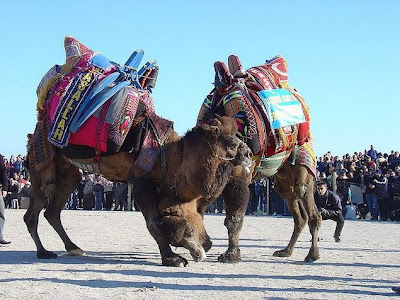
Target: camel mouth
{"type": "Point", "coordinates": [197, 251]}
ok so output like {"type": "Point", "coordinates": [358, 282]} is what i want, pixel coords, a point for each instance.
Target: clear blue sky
{"type": "Point", "coordinates": [343, 57]}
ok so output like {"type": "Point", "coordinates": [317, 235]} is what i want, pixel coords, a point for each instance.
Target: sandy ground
{"type": "Point", "coordinates": [123, 261]}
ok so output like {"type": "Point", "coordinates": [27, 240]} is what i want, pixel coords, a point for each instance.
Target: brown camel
{"type": "Point", "coordinates": [284, 152]}
{"type": "Point", "coordinates": [205, 158]}
{"type": "Point", "coordinates": [99, 116]}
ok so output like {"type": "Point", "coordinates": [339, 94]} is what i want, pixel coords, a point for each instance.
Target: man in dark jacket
{"type": "Point", "coordinates": [3, 193]}
{"type": "Point", "coordinates": [328, 204]}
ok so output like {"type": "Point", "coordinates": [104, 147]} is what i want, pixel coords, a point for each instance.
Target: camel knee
{"type": "Point", "coordinates": [299, 222]}
{"type": "Point", "coordinates": [48, 189]}
{"type": "Point", "coordinates": [233, 223]}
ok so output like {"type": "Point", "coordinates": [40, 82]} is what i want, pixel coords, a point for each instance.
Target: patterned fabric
{"type": "Point", "coordinates": [65, 92]}
{"type": "Point", "coordinates": [305, 156]}
{"type": "Point", "coordinates": [70, 101]}
{"type": "Point", "coordinates": [247, 119]}
{"type": "Point", "coordinates": [41, 152]}
{"type": "Point", "coordinates": [153, 142]}
{"type": "Point", "coordinates": [272, 117]}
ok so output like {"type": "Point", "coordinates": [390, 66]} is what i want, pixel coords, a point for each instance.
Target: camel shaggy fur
{"type": "Point", "coordinates": [198, 167]}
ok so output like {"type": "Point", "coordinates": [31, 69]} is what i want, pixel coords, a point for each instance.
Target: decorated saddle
{"type": "Point", "coordinates": [271, 116]}
{"type": "Point", "coordinates": [92, 101]}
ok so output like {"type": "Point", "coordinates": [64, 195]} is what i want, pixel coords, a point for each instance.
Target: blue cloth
{"type": "Point", "coordinates": [372, 202]}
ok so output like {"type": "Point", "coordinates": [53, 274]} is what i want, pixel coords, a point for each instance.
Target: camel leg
{"type": "Point", "coordinates": [236, 196]}
{"type": "Point", "coordinates": [285, 187]}
{"type": "Point", "coordinates": [68, 178]}
{"type": "Point", "coordinates": [299, 222]}
{"type": "Point", "coordinates": [145, 194]}
{"type": "Point", "coordinates": [305, 191]}
{"type": "Point", "coordinates": [296, 186]}
{"type": "Point", "coordinates": [31, 216]}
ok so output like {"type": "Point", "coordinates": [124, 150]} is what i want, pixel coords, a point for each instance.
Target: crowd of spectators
{"type": "Point", "coordinates": [94, 191]}
{"type": "Point", "coordinates": [376, 174]}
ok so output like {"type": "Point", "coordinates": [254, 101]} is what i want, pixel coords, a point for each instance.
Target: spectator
{"type": "Point", "coordinates": [395, 161]}
{"type": "Point", "coordinates": [381, 162]}
{"type": "Point", "coordinates": [343, 191]}
{"type": "Point", "coordinates": [3, 193]}
{"type": "Point", "coordinates": [98, 190]}
{"type": "Point", "coordinates": [108, 188]}
{"type": "Point", "coordinates": [88, 197]}
{"type": "Point", "coordinates": [370, 163]}
{"type": "Point", "coordinates": [331, 179]}
{"type": "Point", "coordinates": [26, 191]}
{"type": "Point", "coordinates": [391, 157]}
{"type": "Point", "coordinates": [372, 153]}
{"type": "Point", "coordinates": [370, 195]}
{"type": "Point", "coordinates": [121, 196]}
{"type": "Point", "coordinates": [73, 200]}
{"type": "Point", "coordinates": [395, 208]}
{"type": "Point", "coordinates": [328, 204]}
{"type": "Point", "coordinates": [380, 191]}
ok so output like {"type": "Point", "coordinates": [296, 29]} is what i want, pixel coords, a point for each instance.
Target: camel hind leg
{"type": "Point", "coordinates": [67, 180]}
{"type": "Point", "coordinates": [54, 183]}
{"type": "Point", "coordinates": [43, 187]}
{"type": "Point", "coordinates": [296, 186]}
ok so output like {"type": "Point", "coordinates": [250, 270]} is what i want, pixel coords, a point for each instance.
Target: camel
{"type": "Point", "coordinates": [99, 116]}
{"type": "Point", "coordinates": [206, 157]}
{"type": "Point", "coordinates": [284, 152]}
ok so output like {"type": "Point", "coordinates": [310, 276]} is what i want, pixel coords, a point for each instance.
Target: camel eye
{"type": "Point", "coordinates": [231, 143]}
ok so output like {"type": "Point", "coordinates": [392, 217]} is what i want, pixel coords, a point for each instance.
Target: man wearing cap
{"type": "Point", "coordinates": [3, 193]}
{"type": "Point", "coordinates": [328, 204]}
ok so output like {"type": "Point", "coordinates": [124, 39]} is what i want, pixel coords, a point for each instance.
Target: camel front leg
{"type": "Point", "coordinates": [236, 196]}
{"type": "Point", "coordinates": [145, 195]}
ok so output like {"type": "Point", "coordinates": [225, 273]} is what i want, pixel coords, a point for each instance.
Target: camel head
{"type": "Point", "coordinates": [182, 225]}
{"type": "Point", "coordinates": [211, 153]}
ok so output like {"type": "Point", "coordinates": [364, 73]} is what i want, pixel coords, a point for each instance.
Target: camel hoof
{"type": "Point", "coordinates": [230, 256]}
{"type": "Point", "coordinates": [77, 252]}
{"type": "Point", "coordinates": [311, 259]}
{"type": "Point", "coordinates": [46, 255]}
{"type": "Point", "coordinates": [174, 261]}
{"type": "Point", "coordinates": [282, 253]}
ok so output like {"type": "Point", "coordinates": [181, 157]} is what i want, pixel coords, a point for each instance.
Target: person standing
{"type": "Point", "coordinates": [98, 189]}
{"type": "Point", "coordinates": [328, 204]}
{"type": "Point", "coordinates": [88, 196]}
{"type": "Point", "coordinates": [372, 153]}
{"type": "Point", "coordinates": [3, 189]}
{"type": "Point", "coordinates": [370, 195]}
{"type": "Point", "coordinates": [108, 191]}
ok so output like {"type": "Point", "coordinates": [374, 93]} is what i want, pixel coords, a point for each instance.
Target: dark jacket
{"type": "Point", "coordinates": [329, 203]}
{"type": "Point", "coordinates": [3, 174]}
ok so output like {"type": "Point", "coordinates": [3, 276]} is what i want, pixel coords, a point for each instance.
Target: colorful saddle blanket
{"type": "Point", "coordinates": [272, 117]}
{"type": "Point", "coordinates": [93, 101]}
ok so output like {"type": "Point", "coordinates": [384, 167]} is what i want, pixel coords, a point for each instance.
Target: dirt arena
{"type": "Point", "coordinates": [123, 261]}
